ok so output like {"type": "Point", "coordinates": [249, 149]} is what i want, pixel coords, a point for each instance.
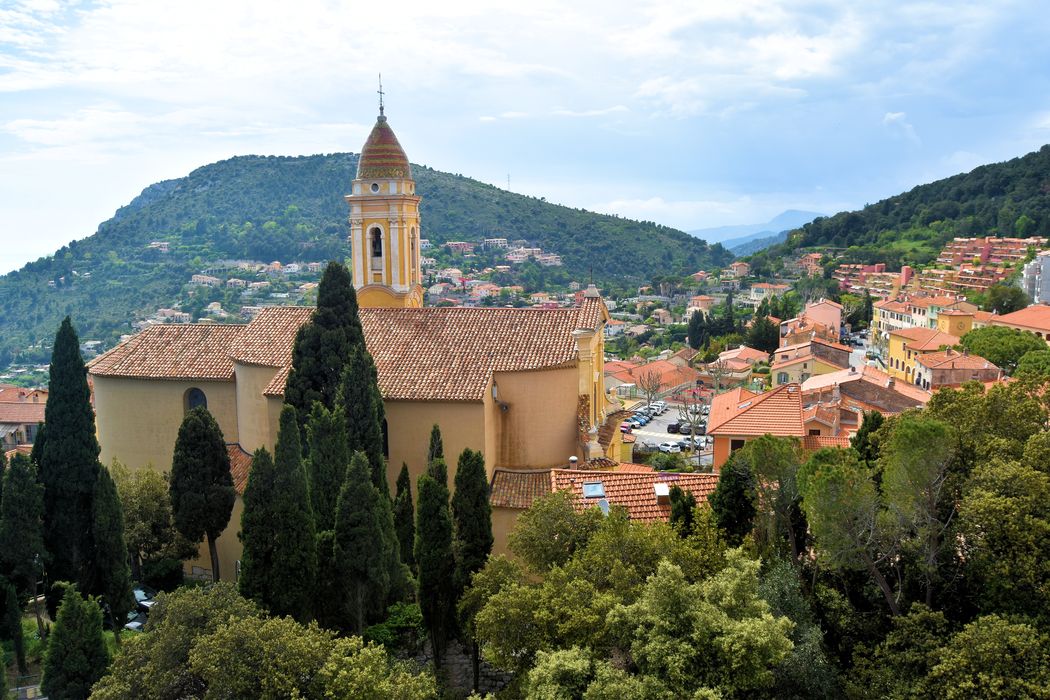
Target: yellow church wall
{"type": "Point", "coordinates": [138, 420]}
{"type": "Point", "coordinates": [408, 426]}
{"type": "Point", "coordinates": [503, 520]}
{"type": "Point", "coordinates": [229, 547]}
{"type": "Point", "coordinates": [254, 425]}
{"type": "Point", "coordinates": [539, 427]}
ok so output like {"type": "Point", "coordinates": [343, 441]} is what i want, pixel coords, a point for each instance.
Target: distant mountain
{"type": "Point", "coordinates": [1003, 199]}
{"type": "Point", "coordinates": [292, 209]}
{"type": "Point", "coordinates": [738, 234]}
{"type": "Point", "coordinates": [753, 245]}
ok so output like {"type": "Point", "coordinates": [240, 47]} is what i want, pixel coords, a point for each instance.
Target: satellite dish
{"type": "Point", "coordinates": [604, 506]}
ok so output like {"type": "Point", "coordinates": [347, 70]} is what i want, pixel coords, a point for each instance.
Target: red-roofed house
{"type": "Point", "coordinates": [1034, 319]}
{"type": "Point", "coordinates": [908, 343]}
{"type": "Point", "coordinates": [797, 363]}
{"type": "Point", "coordinates": [950, 368]}
{"type": "Point", "coordinates": [741, 415]}
{"type": "Point", "coordinates": [672, 376]}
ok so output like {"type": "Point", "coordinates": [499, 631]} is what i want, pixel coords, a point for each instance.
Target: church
{"type": "Point", "coordinates": [523, 386]}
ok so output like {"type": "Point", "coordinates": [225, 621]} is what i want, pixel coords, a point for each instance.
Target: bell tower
{"type": "Point", "coordinates": [384, 223]}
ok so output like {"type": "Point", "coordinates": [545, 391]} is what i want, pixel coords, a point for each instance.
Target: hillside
{"type": "Point", "coordinates": [738, 234]}
{"type": "Point", "coordinates": [288, 209]}
{"type": "Point", "coordinates": [1006, 199]}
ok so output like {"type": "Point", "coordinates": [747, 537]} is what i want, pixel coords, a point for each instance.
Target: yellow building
{"type": "Point", "coordinates": [794, 364]}
{"type": "Point", "coordinates": [907, 344]}
{"type": "Point", "coordinates": [523, 386]}
{"type": "Point", "coordinates": [955, 322]}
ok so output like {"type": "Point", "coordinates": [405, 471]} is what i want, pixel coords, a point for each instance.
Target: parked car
{"type": "Point", "coordinates": [144, 598]}
{"type": "Point", "coordinates": [625, 427]}
{"type": "Point", "coordinates": [672, 427]}
{"type": "Point", "coordinates": [670, 447]}
{"type": "Point", "coordinates": [684, 445]}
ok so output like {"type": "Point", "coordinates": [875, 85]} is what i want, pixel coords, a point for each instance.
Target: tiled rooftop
{"type": "Point", "coordinates": [420, 354]}
{"type": "Point", "coordinates": [924, 338]}
{"type": "Point", "coordinates": [950, 359]}
{"type": "Point", "coordinates": [22, 413]}
{"type": "Point", "coordinates": [1036, 317]}
{"type": "Point", "coordinates": [172, 351]}
{"type": "Point", "coordinates": [741, 412]}
{"type": "Point", "coordinates": [812, 443]}
{"type": "Point", "coordinates": [240, 465]}
{"type": "Point", "coordinates": [631, 486]}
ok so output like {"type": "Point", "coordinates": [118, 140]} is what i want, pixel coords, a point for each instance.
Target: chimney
{"type": "Point", "coordinates": [572, 462]}
{"type": "Point", "coordinates": [890, 382]}
{"type": "Point", "coordinates": [662, 491]}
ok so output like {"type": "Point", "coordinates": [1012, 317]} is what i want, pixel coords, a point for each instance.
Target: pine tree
{"type": "Point", "coordinates": [472, 516]}
{"type": "Point", "coordinates": [697, 332]}
{"type": "Point", "coordinates": [112, 573]}
{"type": "Point", "coordinates": [201, 491]}
{"type": "Point", "coordinates": [322, 346]}
{"type": "Point", "coordinates": [865, 441]}
{"type": "Point", "coordinates": [68, 466]}
{"type": "Point", "coordinates": [360, 400]}
{"type": "Point", "coordinates": [434, 558]}
{"type": "Point", "coordinates": [405, 517]}
{"type": "Point", "coordinates": [294, 553]}
{"type": "Point", "coordinates": [329, 457]}
{"type": "Point", "coordinates": [733, 501]}
{"type": "Point", "coordinates": [258, 529]}
{"type": "Point", "coordinates": [436, 449]}
{"type": "Point", "coordinates": [21, 526]}
{"type": "Point", "coordinates": [76, 651]}
{"type": "Point", "coordinates": [359, 543]}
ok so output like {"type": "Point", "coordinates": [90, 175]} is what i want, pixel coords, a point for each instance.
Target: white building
{"type": "Point", "coordinates": [1036, 278]}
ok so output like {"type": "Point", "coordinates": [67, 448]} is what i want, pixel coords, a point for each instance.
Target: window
{"type": "Point", "coordinates": [386, 440]}
{"type": "Point", "coordinates": [194, 398]}
{"type": "Point", "coordinates": [593, 489]}
{"type": "Point", "coordinates": [375, 187]}
{"type": "Point", "coordinates": [782, 377]}
{"type": "Point", "coordinates": [735, 445]}
{"type": "Point", "coordinates": [814, 431]}
{"type": "Point", "coordinates": [376, 237]}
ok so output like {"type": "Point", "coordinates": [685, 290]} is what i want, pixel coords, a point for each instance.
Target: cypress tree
{"type": "Point", "coordinates": [329, 456]}
{"type": "Point", "coordinates": [472, 515]}
{"type": "Point", "coordinates": [112, 573]}
{"type": "Point", "coordinates": [436, 449]}
{"type": "Point", "coordinates": [258, 529]}
{"type": "Point", "coordinates": [405, 517]}
{"type": "Point", "coordinates": [434, 559]}
{"type": "Point", "coordinates": [68, 466]}
{"type": "Point", "coordinates": [11, 625]}
{"type": "Point", "coordinates": [683, 505]}
{"type": "Point", "coordinates": [733, 500]}
{"type": "Point", "coordinates": [359, 543]}
{"type": "Point", "coordinates": [76, 652]}
{"type": "Point", "coordinates": [201, 487]}
{"type": "Point", "coordinates": [359, 398]}
{"type": "Point", "coordinates": [696, 331]}
{"type": "Point", "coordinates": [294, 554]}
{"type": "Point", "coordinates": [323, 345]}
{"type": "Point", "coordinates": [21, 526]}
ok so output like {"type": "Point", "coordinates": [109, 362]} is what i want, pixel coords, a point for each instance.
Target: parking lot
{"type": "Point", "coordinates": [656, 432]}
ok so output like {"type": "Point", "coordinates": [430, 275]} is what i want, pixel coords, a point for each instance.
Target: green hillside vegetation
{"type": "Point", "coordinates": [1003, 199]}
{"type": "Point", "coordinates": [292, 209]}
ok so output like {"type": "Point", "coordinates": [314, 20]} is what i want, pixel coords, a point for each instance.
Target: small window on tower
{"type": "Point", "coordinates": [377, 243]}
{"type": "Point", "coordinates": [375, 186]}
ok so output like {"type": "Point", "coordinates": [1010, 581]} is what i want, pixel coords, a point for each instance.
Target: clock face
{"type": "Point", "coordinates": [375, 186]}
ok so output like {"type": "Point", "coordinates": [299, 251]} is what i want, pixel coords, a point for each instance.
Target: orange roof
{"type": "Point", "coordinates": [172, 351]}
{"type": "Point", "coordinates": [984, 316]}
{"type": "Point", "coordinates": [871, 375]}
{"type": "Point", "coordinates": [744, 353]}
{"type": "Point", "coordinates": [892, 305]}
{"type": "Point", "coordinates": [822, 341]}
{"type": "Point", "coordinates": [670, 374]}
{"type": "Point", "coordinates": [819, 413]}
{"type": "Point", "coordinates": [420, 354]}
{"type": "Point", "coordinates": [769, 285]}
{"type": "Point", "coordinates": [741, 412]}
{"type": "Point", "coordinates": [950, 359]}
{"type": "Point", "coordinates": [22, 413]}
{"type": "Point", "coordinates": [518, 489]}
{"type": "Point", "coordinates": [240, 465]}
{"type": "Point", "coordinates": [955, 312]}
{"type": "Point", "coordinates": [633, 490]}
{"type": "Point", "coordinates": [1036, 317]}
{"type": "Point", "coordinates": [925, 338]}
{"type": "Point", "coordinates": [812, 443]}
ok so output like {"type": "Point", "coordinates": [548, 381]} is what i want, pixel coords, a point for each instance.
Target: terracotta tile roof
{"type": "Point", "coordinates": [868, 374]}
{"type": "Point", "coordinates": [819, 413]}
{"type": "Point", "coordinates": [518, 489]}
{"type": "Point", "coordinates": [17, 394]}
{"type": "Point", "coordinates": [240, 465]}
{"type": "Point", "coordinates": [741, 412]}
{"type": "Point", "coordinates": [820, 341]}
{"type": "Point", "coordinates": [812, 443]}
{"type": "Point", "coordinates": [807, 357]}
{"type": "Point", "coordinates": [950, 359]}
{"type": "Point", "coordinates": [421, 354]}
{"type": "Point", "coordinates": [1036, 317]}
{"type": "Point", "coordinates": [172, 351]}
{"type": "Point", "coordinates": [744, 353]}
{"type": "Point", "coordinates": [268, 339]}
{"type": "Point", "coordinates": [984, 316]}
{"type": "Point", "coordinates": [670, 374]}
{"type": "Point", "coordinates": [892, 305]}
{"type": "Point", "coordinates": [636, 468]}
{"type": "Point", "coordinates": [22, 413]}
{"type": "Point", "coordinates": [925, 338]}
{"type": "Point", "coordinates": [632, 490]}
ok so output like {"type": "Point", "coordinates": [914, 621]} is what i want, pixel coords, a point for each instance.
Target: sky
{"type": "Point", "coordinates": [688, 113]}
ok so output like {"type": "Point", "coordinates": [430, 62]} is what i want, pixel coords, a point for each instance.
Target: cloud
{"type": "Point", "coordinates": [898, 124]}
{"type": "Point", "coordinates": [589, 112]}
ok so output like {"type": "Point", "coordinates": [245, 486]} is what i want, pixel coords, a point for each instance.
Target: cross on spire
{"type": "Point", "coordinates": [380, 91]}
